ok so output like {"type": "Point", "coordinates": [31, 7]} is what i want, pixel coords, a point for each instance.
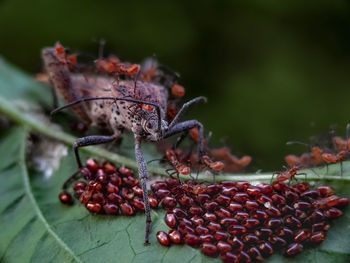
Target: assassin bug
{"type": "Point", "coordinates": [288, 174]}
{"type": "Point", "coordinates": [149, 69]}
{"type": "Point", "coordinates": [69, 60]}
{"type": "Point", "coordinates": [232, 162]}
{"type": "Point", "coordinates": [339, 143]}
{"type": "Point", "coordinates": [216, 166]}
{"type": "Point", "coordinates": [342, 153]}
{"type": "Point", "coordinates": [177, 90]}
{"type": "Point", "coordinates": [113, 65]}
{"type": "Point", "coordinates": [99, 102]}
{"type": "Point", "coordinates": [313, 158]}
{"type": "Point", "coordinates": [179, 167]}
{"type": "Point", "coordinates": [174, 157]}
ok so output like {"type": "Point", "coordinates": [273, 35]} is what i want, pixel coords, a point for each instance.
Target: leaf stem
{"type": "Point", "coordinates": [51, 131]}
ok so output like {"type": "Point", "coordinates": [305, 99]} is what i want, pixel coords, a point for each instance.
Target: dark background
{"type": "Point", "coordinates": [273, 71]}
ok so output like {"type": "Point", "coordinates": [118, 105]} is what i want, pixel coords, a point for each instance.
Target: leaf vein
{"type": "Point", "coordinates": [35, 205]}
{"type": "Point", "coordinates": [129, 237]}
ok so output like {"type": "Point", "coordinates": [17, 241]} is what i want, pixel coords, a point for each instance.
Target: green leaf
{"type": "Point", "coordinates": [36, 227]}
{"type": "Point", "coordinates": [36, 223]}
{"type": "Point", "coordinates": [17, 85]}
{"type": "Point", "coordinates": [23, 223]}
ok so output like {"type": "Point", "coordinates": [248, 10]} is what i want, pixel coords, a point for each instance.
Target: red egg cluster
{"type": "Point", "coordinates": [237, 221]}
{"type": "Point", "coordinates": [241, 222]}
{"type": "Point", "coordinates": [108, 190]}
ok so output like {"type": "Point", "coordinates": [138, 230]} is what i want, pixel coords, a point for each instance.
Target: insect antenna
{"type": "Point", "coordinates": [110, 98]}
{"type": "Point", "coordinates": [300, 143]}
{"type": "Point", "coordinates": [175, 75]}
{"type": "Point", "coordinates": [71, 179]}
{"type": "Point", "coordinates": [347, 136]}
{"type": "Point", "coordinates": [154, 160]}
{"type": "Point", "coordinates": [135, 80]}
{"type": "Point", "coordinates": [101, 48]}
{"type": "Point", "coordinates": [313, 170]}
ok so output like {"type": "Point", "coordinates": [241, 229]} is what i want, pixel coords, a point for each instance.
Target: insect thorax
{"type": "Point", "coordinates": [123, 114]}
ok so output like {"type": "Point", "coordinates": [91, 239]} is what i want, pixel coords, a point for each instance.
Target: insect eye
{"type": "Point", "coordinates": [149, 126]}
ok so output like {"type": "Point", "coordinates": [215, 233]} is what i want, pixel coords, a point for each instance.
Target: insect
{"type": "Point", "coordinates": [99, 101]}
{"type": "Point", "coordinates": [293, 160]}
{"type": "Point", "coordinates": [194, 134]}
{"type": "Point", "coordinates": [313, 158]}
{"type": "Point", "coordinates": [216, 166]}
{"type": "Point", "coordinates": [69, 60]}
{"type": "Point", "coordinates": [179, 167]}
{"type": "Point", "coordinates": [339, 143]}
{"type": "Point", "coordinates": [113, 65]}
{"type": "Point", "coordinates": [149, 70]}
{"type": "Point", "coordinates": [288, 174]}
{"type": "Point", "coordinates": [177, 90]}
{"type": "Point", "coordinates": [171, 110]}
{"type": "Point", "coordinates": [232, 162]}
{"type": "Point", "coordinates": [342, 153]}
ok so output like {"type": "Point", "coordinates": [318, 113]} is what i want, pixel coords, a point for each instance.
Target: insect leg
{"type": "Point", "coordinates": [143, 176]}
{"type": "Point", "coordinates": [90, 140]}
{"type": "Point", "coordinates": [185, 126]}
{"type": "Point", "coordinates": [154, 160]}
{"type": "Point", "coordinates": [71, 179]}
{"type": "Point", "coordinates": [214, 176]}
{"type": "Point", "coordinates": [180, 139]}
{"type": "Point", "coordinates": [101, 46]}
{"type": "Point", "coordinates": [171, 175]}
{"type": "Point", "coordinates": [168, 171]}
{"type": "Point", "coordinates": [54, 96]}
{"type": "Point", "coordinates": [183, 110]}
{"type": "Point", "coordinates": [197, 175]}
{"type": "Point", "coordinates": [313, 170]}
{"type": "Point", "coordinates": [341, 168]}
{"type": "Point", "coordinates": [273, 174]}
{"type": "Point", "coordinates": [118, 140]}
{"type": "Point", "coordinates": [301, 174]}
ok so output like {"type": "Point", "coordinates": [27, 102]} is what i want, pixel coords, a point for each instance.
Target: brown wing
{"type": "Point", "coordinates": [91, 86]}
{"type": "Point", "coordinates": [60, 78]}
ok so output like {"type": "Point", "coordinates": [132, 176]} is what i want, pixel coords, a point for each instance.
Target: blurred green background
{"type": "Point", "coordinates": [273, 71]}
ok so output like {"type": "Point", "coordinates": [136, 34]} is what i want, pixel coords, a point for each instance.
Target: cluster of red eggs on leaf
{"type": "Point", "coordinates": [108, 190]}
{"type": "Point", "coordinates": [238, 221]}
{"type": "Point", "coordinates": [241, 222]}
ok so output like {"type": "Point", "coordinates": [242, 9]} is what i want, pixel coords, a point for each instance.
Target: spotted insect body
{"type": "Point", "coordinates": [113, 115]}
{"type": "Point", "coordinates": [119, 115]}
{"type": "Point", "coordinates": [115, 105]}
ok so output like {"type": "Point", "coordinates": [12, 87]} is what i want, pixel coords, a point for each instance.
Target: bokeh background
{"type": "Point", "coordinates": [273, 71]}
